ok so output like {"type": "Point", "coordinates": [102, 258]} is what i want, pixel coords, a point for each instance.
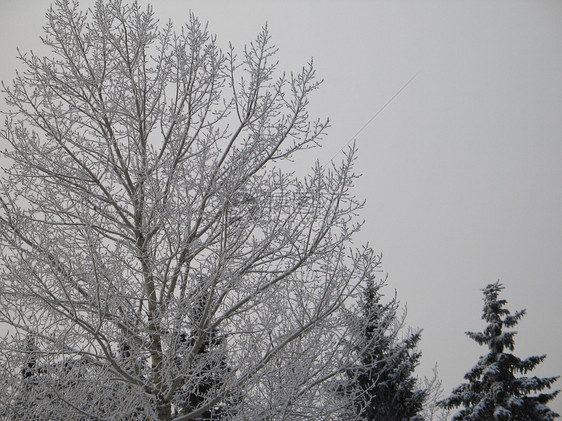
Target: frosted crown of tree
{"type": "Point", "coordinates": [155, 258]}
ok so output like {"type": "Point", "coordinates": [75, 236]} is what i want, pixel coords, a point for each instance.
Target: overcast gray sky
{"type": "Point", "coordinates": [461, 171]}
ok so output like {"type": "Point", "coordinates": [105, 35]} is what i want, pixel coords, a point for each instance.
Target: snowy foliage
{"type": "Point", "coordinates": [380, 383]}
{"type": "Point", "coordinates": [155, 260]}
{"type": "Point", "coordinates": [493, 391]}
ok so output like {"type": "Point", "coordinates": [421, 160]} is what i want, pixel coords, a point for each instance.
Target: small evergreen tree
{"type": "Point", "coordinates": [493, 391]}
{"type": "Point", "coordinates": [380, 386]}
{"type": "Point", "coordinates": [202, 384]}
{"type": "Point", "coordinates": [73, 380]}
{"type": "Point", "coordinates": [210, 376]}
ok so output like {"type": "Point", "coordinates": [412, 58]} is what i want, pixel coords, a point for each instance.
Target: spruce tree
{"type": "Point", "coordinates": [211, 375]}
{"type": "Point", "coordinates": [200, 385]}
{"type": "Point", "coordinates": [494, 391]}
{"type": "Point", "coordinates": [380, 385]}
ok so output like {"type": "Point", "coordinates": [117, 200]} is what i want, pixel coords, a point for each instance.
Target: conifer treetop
{"type": "Point", "coordinates": [494, 391]}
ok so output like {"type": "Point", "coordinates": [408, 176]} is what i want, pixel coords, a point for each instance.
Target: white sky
{"type": "Point", "coordinates": [461, 171]}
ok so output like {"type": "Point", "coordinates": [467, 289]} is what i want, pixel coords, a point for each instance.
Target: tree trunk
{"type": "Point", "coordinates": [164, 411]}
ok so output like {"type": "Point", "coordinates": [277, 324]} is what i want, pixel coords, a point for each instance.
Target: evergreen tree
{"type": "Point", "coordinates": [380, 386]}
{"type": "Point", "coordinates": [200, 385]}
{"type": "Point", "coordinates": [493, 391]}
{"type": "Point", "coordinates": [71, 378]}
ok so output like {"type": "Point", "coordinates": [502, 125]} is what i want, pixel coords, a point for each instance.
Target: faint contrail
{"type": "Point", "coordinates": [374, 116]}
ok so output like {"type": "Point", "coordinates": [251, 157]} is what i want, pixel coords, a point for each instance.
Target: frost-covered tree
{"type": "Point", "coordinates": [149, 174]}
{"type": "Point", "coordinates": [380, 385]}
{"type": "Point", "coordinates": [433, 386]}
{"type": "Point", "coordinates": [494, 390]}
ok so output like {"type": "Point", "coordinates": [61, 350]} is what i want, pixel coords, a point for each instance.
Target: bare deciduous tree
{"type": "Point", "coordinates": [146, 213]}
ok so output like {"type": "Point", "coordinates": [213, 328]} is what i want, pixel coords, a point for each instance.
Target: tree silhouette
{"type": "Point", "coordinates": [381, 386]}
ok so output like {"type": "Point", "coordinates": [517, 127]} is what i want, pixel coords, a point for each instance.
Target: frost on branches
{"type": "Point", "coordinates": [156, 261]}
{"type": "Point", "coordinates": [493, 391]}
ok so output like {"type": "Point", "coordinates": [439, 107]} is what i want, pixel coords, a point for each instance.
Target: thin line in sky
{"type": "Point", "coordinates": [380, 110]}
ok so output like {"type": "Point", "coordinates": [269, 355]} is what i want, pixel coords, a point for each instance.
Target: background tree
{"type": "Point", "coordinates": [493, 391]}
{"type": "Point", "coordinates": [381, 386]}
{"type": "Point", "coordinates": [145, 170]}
{"type": "Point", "coordinates": [213, 370]}
{"type": "Point", "coordinates": [49, 385]}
